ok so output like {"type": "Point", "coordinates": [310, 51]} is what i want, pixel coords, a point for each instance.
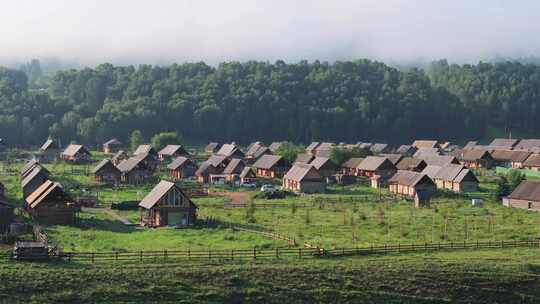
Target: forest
{"type": "Point", "coordinates": [346, 101]}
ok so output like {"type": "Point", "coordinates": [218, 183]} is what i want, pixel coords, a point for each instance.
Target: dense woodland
{"type": "Point", "coordinates": [343, 101]}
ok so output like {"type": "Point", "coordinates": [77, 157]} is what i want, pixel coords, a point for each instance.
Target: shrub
{"type": "Point", "coordinates": [125, 205]}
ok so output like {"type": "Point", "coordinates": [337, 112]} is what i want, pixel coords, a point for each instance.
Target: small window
{"type": "Point", "coordinates": [530, 205]}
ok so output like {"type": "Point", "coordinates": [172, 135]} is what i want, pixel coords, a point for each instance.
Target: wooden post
{"type": "Point", "coordinates": [232, 254]}
{"type": "Point", "coordinates": [277, 253]}
{"type": "Point", "coordinates": [209, 254]}
{"type": "Point", "coordinates": [300, 253]}
{"type": "Point", "coordinates": [92, 257]}
{"type": "Point", "coordinates": [254, 253]}
{"type": "Point", "coordinates": [140, 255]}
{"type": "Point", "coordinates": [116, 255]}
{"type": "Point", "coordinates": [189, 254]}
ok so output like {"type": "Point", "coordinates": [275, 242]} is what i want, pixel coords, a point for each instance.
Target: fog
{"type": "Point", "coordinates": [164, 31]}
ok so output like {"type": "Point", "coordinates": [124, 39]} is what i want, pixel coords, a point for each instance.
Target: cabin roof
{"type": "Point", "coordinates": [170, 150]}
{"type": "Point", "coordinates": [268, 161]}
{"type": "Point", "coordinates": [73, 150]}
{"type": "Point", "coordinates": [235, 166]}
{"type": "Point", "coordinates": [408, 178]}
{"type": "Point", "coordinates": [527, 190]}
{"type": "Point", "coordinates": [503, 143]}
{"type": "Point", "coordinates": [299, 171]}
{"type": "Point", "coordinates": [158, 192]}
{"type": "Point", "coordinates": [372, 163]}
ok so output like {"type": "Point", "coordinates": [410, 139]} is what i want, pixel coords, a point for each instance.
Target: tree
{"type": "Point", "coordinates": [502, 188]}
{"type": "Point", "coordinates": [289, 151]}
{"type": "Point", "coordinates": [136, 140]}
{"type": "Point", "coordinates": [339, 155]}
{"type": "Point", "coordinates": [159, 141]}
{"type": "Point", "coordinates": [514, 177]}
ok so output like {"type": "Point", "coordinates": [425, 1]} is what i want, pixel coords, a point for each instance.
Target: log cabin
{"type": "Point", "coordinates": [350, 167]}
{"type": "Point", "coordinates": [33, 180]}
{"type": "Point", "coordinates": [525, 196]}
{"type": "Point", "coordinates": [376, 165]}
{"type": "Point", "coordinates": [233, 170]}
{"type": "Point", "coordinates": [247, 176]}
{"type": "Point", "coordinates": [256, 152]}
{"type": "Point", "coordinates": [107, 173]}
{"type": "Point", "coordinates": [510, 158]}
{"type": "Point", "coordinates": [111, 146]}
{"type": "Point", "coordinates": [49, 151]}
{"type": "Point", "coordinates": [304, 178]}
{"type": "Point", "coordinates": [167, 205]}
{"type": "Point", "coordinates": [271, 166]}
{"type": "Point", "coordinates": [206, 169]}
{"type": "Point", "coordinates": [532, 162]}
{"type": "Point", "coordinates": [171, 152]}
{"type": "Point", "coordinates": [134, 171]}
{"type": "Point", "coordinates": [212, 148]}
{"type": "Point", "coordinates": [148, 159]}
{"type": "Point", "coordinates": [474, 158]}
{"type": "Point", "coordinates": [324, 165]}
{"type": "Point", "coordinates": [452, 177]}
{"type": "Point", "coordinates": [415, 185]}
{"type": "Point", "coordinates": [411, 164]}
{"type": "Point", "coordinates": [76, 154]}
{"type": "Point", "coordinates": [182, 167]}
{"type": "Point", "coordinates": [50, 205]}
{"type": "Point", "coordinates": [230, 151]}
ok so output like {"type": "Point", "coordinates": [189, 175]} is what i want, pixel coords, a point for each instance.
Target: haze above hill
{"type": "Point", "coordinates": [159, 32]}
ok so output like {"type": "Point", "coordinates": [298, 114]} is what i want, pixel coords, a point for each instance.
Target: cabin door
{"type": "Point", "coordinates": [176, 219]}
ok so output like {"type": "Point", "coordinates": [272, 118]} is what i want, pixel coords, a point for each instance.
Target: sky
{"type": "Point", "coordinates": [90, 32]}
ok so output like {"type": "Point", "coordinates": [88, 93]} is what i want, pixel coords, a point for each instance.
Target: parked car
{"type": "Point", "coordinates": [248, 185]}
{"type": "Point", "coordinates": [268, 188]}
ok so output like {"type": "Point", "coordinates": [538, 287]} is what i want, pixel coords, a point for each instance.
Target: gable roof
{"type": "Point", "coordinates": [528, 144]}
{"type": "Point", "coordinates": [204, 167]}
{"type": "Point", "coordinates": [276, 145]}
{"type": "Point", "coordinates": [410, 163]}
{"type": "Point", "coordinates": [312, 146]}
{"type": "Point", "coordinates": [35, 173]}
{"type": "Point", "coordinates": [503, 143]}
{"type": "Point", "coordinates": [510, 155]}
{"type": "Point", "coordinates": [471, 155]}
{"type": "Point", "coordinates": [304, 158]}
{"type": "Point", "coordinates": [465, 175]}
{"type": "Point", "coordinates": [171, 150]}
{"type": "Point", "coordinates": [409, 178]}
{"type": "Point", "coordinates": [421, 144]}
{"type": "Point", "coordinates": [103, 164]}
{"type": "Point", "coordinates": [470, 145]}
{"type": "Point", "coordinates": [145, 149]}
{"type": "Point", "coordinates": [431, 171]}
{"type": "Point", "coordinates": [73, 150]}
{"type": "Point", "coordinates": [372, 163]}
{"type": "Point", "coordinates": [41, 193]}
{"type": "Point", "coordinates": [394, 158]}
{"type": "Point", "coordinates": [211, 146]}
{"type": "Point", "coordinates": [119, 154]}
{"type": "Point", "coordinates": [527, 190]}
{"type": "Point", "coordinates": [129, 164]}
{"type": "Point", "coordinates": [533, 160]}
{"type": "Point", "coordinates": [404, 149]}
{"type": "Point", "coordinates": [378, 148]}
{"type": "Point", "coordinates": [253, 147]}
{"type": "Point", "coordinates": [29, 165]}
{"type": "Point", "coordinates": [319, 162]}
{"type": "Point", "coordinates": [247, 172]}
{"type": "Point", "coordinates": [449, 172]}
{"type": "Point", "coordinates": [352, 163]}
{"type": "Point", "coordinates": [235, 166]}
{"type": "Point", "coordinates": [268, 161]}
{"type": "Point", "coordinates": [112, 142]}
{"type": "Point", "coordinates": [217, 160]}
{"type": "Point", "coordinates": [158, 192]}
{"type": "Point", "coordinates": [439, 160]}
{"type": "Point", "coordinates": [299, 171]}
{"type": "Point", "coordinates": [228, 150]}
{"type": "Point", "coordinates": [178, 162]}
{"type": "Point", "coordinates": [49, 144]}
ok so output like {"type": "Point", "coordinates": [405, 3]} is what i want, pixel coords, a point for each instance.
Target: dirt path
{"type": "Point", "coordinates": [238, 199]}
{"type": "Point", "coordinates": [112, 214]}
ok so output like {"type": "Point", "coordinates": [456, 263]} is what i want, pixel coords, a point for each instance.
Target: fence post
{"type": "Point", "coordinates": [189, 254]}
{"type": "Point", "coordinates": [299, 253]}
{"type": "Point", "coordinates": [277, 253]}
{"type": "Point", "coordinates": [232, 254]}
{"type": "Point", "coordinates": [477, 244]}
{"type": "Point", "coordinates": [165, 254]}
{"type": "Point", "coordinates": [140, 255]}
{"type": "Point", "coordinates": [254, 253]}
{"type": "Point", "coordinates": [116, 255]}
{"type": "Point", "coordinates": [92, 257]}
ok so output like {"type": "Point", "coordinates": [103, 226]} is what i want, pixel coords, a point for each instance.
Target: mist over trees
{"type": "Point", "coordinates": [343, 101]}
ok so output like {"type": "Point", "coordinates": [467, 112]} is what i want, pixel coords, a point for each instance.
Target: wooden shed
{"type": "Point", "coordinates": [107, 173]}
{"type": "Point", "coordinates": [35, 178]}
{"type": "Point", "coordinates": [171, 152]}
{"type": "Point", "coordinates": [271, 166]}
{"type": "Point", "coordinates": [49, 151]}
{"type": "Point", "coordinates": [376, 165]}
{"type": "Point", "coordinates": [411, 164]}
{"type": "Point", "coordinates": [324, 165]}
{"type": "Point", "coordinates": [50, 205]}
{"type": "Point", "coordinates": [111, 146]}
{"type": "Point", "coordinates": [182, 167]}
{"type": "Point", "coordinates": [134, 171]}
{"type": "Point", "coordinates": [167, 205]}
{"type": "Point", "coordinates": [409, 183]}
{"type": "Point", "coordinates": [525, 196]}
{"type": "Point", "coordinates": [76, 154]}
{"type": "Point", "coordinates": [304, 178]}
{"type": "Point", "coordinates": [350, 167]}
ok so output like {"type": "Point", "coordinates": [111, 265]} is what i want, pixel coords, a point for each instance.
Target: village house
{"type": "Point", "coordinates": [149, 160]}
{"type": "Point", "coordinates": [247, 176]}
{"type": "Point", "coordinates": [33, 180]}
{"type": "Point", "coordinates": [50, 205]}
{"type": "Point", "coordinates": [146, 149]}
{"type": "Point", "coordinates": [76, 154]}
{"type": "Point", "coordinates": [182, 167]}
{"type": "Point", "coordinates": [510, 158]}
{"type": "Point", "coordinates": [256, 152]}
{"type": "Point", "coordinates": [394, 158]}
{"type": "Point", "coordinates": [470, 145]}
{"type": "Point", "coordinates": [106, 173]}
{"type": "Point", "coordinates": [212, 148]}
{"type": "Point", "coordinates": [414, 185]}
{"type": "Point", "coordinates": [453, 177]}
{"type": "Point", "coordinates": [411, 164]}
{"type": "Point", "coordinates": [474, 158]}
{"type": "Point", "coordinates": [350, 167]}
{"type": "Point", "coordinates": [167, 205]}
{"type": "Point", "coordinates": [271, 166]}
{"type": "Point", "coordinates": [532, 162]}
{"type": "Point", "coordinates": [439, 160]}
{"type": "Point", "coordinates": [379, 148]}
{"type": "Point", "coordinates": [531, 145]}
{"type": "Point", "coordinates": [206, 169]}
{"type": "Point", "coordinates": [304, 178]}
{"type": "Point", "coordinates": [525, 196]}
{"type": "Point", "coordinates": [311, 149]}
{"type": "Point", "coordinates": [233, 170]}
{"type": "Point", "coordinates": [425, 144]}
{"type": "Point", "coordinates": [171, 152]}
{"type": "Point", "coordinates": [304, 158]}
{"type": "Point", "coordinates": [119, 156]}
{"type": "Point", "coordinates": [274, 147]}
{"type": "Point", "coordinates": [134, 171]}
{"type": "Point", "coordinates": [503, 144]}
{"type": "Point", "coordinates": [49, 151]}
{"type": "Point", "coordinates": [230, 151]}
{"type": "Point", "coordinates": [324, 165]}
{"type": "Point", "coordinates": [376, 166]}
{"type": "Point", "coordinates": [111, 146]}
{"type": "Point", "coordinates": [406, 150]}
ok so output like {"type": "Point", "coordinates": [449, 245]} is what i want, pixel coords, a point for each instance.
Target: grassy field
{"type": "Point", "coordinates": [495, 276]}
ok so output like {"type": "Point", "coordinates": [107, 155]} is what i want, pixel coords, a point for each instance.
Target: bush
{"type": "Point", "coordinates": [273, 195]}
{"type": "Point", "coordinates": [126, 205]}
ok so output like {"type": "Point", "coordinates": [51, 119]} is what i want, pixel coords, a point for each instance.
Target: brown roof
{"type": "Point", "coordinates": [510, 155]}
{"type": "Point", "coordinates": [312, 146]}
{"type": "Point", "coordinates": [470, 145]}
{"type": "Point", "coordinates": [144, 149]}
{"type": "Point", "coordinates": [211, 146]}
{"type": "Point", "coordinates": [394, 158]}
{"type": "Point", "coordinates": [420, 144]}
{"type": "Point", "coordinates": [104, 163]}
{"type": "Point", "coordinates": [372, 163]}
{"type": "Point", "coordinates": [247, 172]}
{"type": "Point", "coordinates": [260, 152]}
{"type": "Point", "coordinates": [471, 155]}
{"type": "Point", "coordinates": [29, 165]}
{"type": "Point", "coordinates": [171, 150]}
{"type": "Point", "coordinates": [35, 173]}
{"type": "Point", "coordinates": [299, 171]}
{"type": "Point", "coordinates": [73, 150]}
{"type": "Point", "coordinates": [465, 175]}
{"type": "Point", "coordinates": [503, 143]}
{"type": "Point", "coordinates": [178, 162]}
{"type": "Point", "coordinates": [269, 161]}
{"type": "Point", "coordinates": [204, 167]}
{"type": "Point", "coordinates": [159, 191]}
{"type": "Point", "coordinates": [449, 172]}
{"type": "Point", "coordinates": [49, 144]}
{"type": "Point", "coordinates": [421, 152]}
{"type": "Point", "coordinates": [304, 158]}
{"type": "Point", "coordinates": [352, 163]}
{"type": "Point", "coordinates": [217, 160]}
{"type": "Point", "coordinates": [235, 166]}
{"type": "Point", "coordinates": [409, 178]}
{"type": "Point", "coordinates": [431, 171]}
{"type": "Point", "coordinates": [532, 161]}
{"type": "Point", "coordinates": [228, 150]}
{"type": "Point", "coordinates": [378, 148]}
{"type": "Point", "coordinates": [439, 160]}
{"type": "Point", "coordinates": [410, 163]}
{"type": "Point", "coordinates": [129, 164]}
{"type": "Point", "coordinates": [527, 190]}
{"type": "Point", "coordinates": [42, 192]}
{"type": "Point", "coordinates": [113, 142]}
{"type": "Point", "coordinates": [253, 147]}
{"type": "Point", "coordinates": [319, 162]}
{"type": "Point", "coordinates": [528, 144]}
{"type": "Point", "coordinates": [276, 145]}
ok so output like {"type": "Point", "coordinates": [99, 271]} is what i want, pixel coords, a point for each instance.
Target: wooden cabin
{"type": "Point", "coordinates": [206, 169]}
{"type": "Point", "coordinates": [304, 178]}
{"type": "Point", "coordinates": [275, 146]}
{"type": "Point", "coordinates": [49, 151]}
{"type": "Point", "coordinates": [182, 167]}
{"type": "Point", "coordinates": [233, 170]}
{"type": "Point", "coordinates": [415, 185]}
{"type": "Point", "coordinates": [376, 166]}
{"type": "Point", "coordinates": [111, 146]}
{"type": "Point", "coordinates": [411, 164]}
{"type": "Point", "coordinates": [134, 171]}
{"type": "Point", "coordinates": [119, 156]}
{"type": "Point", "coordinates": [107, 173]}
{"type": "Point", "coordinates": [503, 144]}
{"type": "Point", "coordinates": [247, 176]}
{"type": "Point", "coordinates": [304, 158]}
{"type": "Point", "coordinates": [50, 205]}
{"type": "Point", "coordinates": [532, 162]}
{"type": "Point", "coordinates": [256, 152]}
{"type": "Point", "coordinates": [167, 205]}
{"type": "Point", "coordinates": [33, 180]}
{"type": "Point", "coordinates": [350, 167]}
{"type": "Point", "coordinates": [271, 166]}
{"type": "Point", "coordinates": [425, 144]}
{"type": "Point", "coordinates": [312, 148]}
{"type": "Point", "coordinates": [379, 148]}
{"type": "Point", "coordinates": [76, 154]}
{"type": "Point", "coordinates": [510, 158]}
{"type": "Point", "coordinates": [149, 160]}
{"type": "Point", "coordinates": [324, 165]}
{"type": "Point", "coordinates": [406, 150]}
{"type": "Point", "coordinates": [171, 152]}
{"type": "Point", "coordinates": [525, 196]}
{"type": "Point", "coordinates": [474, 158]}
{"type": "Point", "coordinates": [230, 151]}
{"type": "Point", "coordinates": [146, 149]}
{"type": "Point", "coordinates": [452, 177]}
